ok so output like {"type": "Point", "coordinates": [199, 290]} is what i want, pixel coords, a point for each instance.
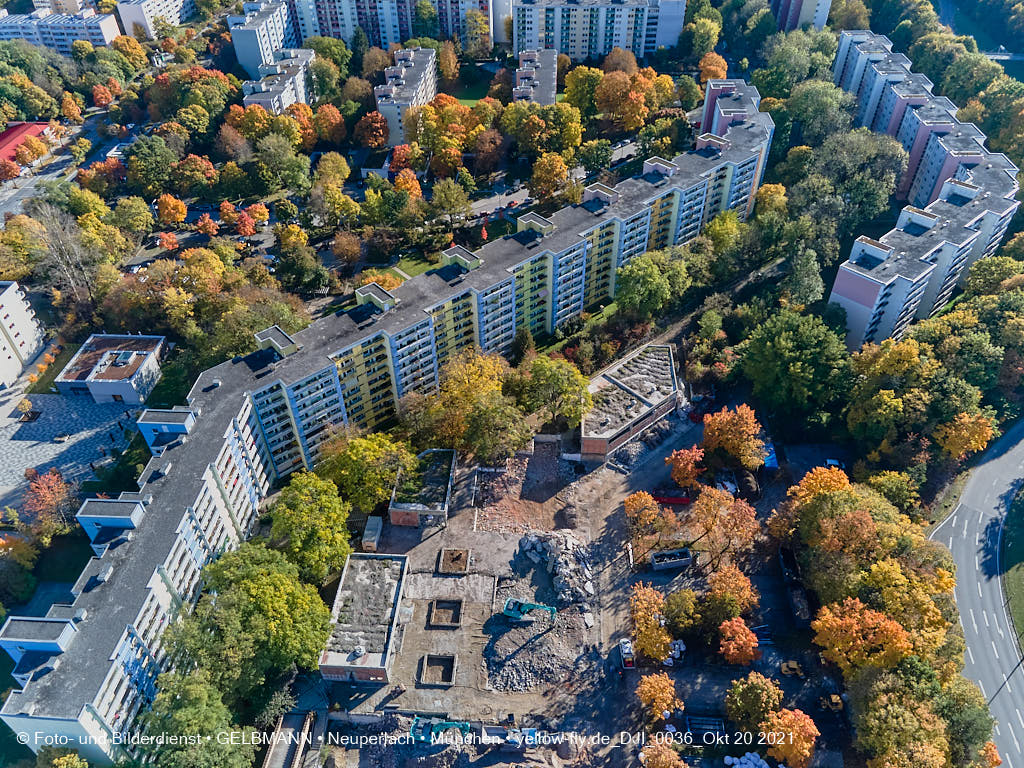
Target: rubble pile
{"type": "Point", "coordinates": [749, 760]}
{"type": "Point", "coordinates": [567, 560]}
{"type": "Point", "coordinates": [403, 753]}
{"type": "Point", "coordinates": [649, 439]}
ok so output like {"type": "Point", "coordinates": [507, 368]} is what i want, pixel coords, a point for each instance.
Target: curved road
{"type": "Point", "coordinates": [973, 534]}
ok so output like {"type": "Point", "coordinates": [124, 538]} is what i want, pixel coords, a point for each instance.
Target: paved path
{"type": "Point", "coordinates": [973, 534]}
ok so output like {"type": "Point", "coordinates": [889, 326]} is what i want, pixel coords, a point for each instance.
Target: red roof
{"type": "Point", "coordinates": [17, 133]}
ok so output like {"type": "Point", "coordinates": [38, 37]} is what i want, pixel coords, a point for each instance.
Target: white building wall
{"type": "Point", "coordinates": [21, 337]}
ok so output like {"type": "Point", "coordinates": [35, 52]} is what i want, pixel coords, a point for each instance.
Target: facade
{"type": "Point", "coordinates": [63, 6]}
{"type": "Point", "coordinates": [451, 17]}
{"type": "Point", "coordinates": [961, 196]}
{"type": "Point", "coordinates": [412, 82]}
{"type": "Point", "coordinates": [282, 81]}
{"type": "Point", "coordinates": [21, 337]}
{"type": "Point", "coordinates": [793, 14]}
{"type": "Point", "coordinates": [629, 397]}
{"type": "Point", "coordinates": [113, 369]}
{"type": "Point", "coordinates": [364, 618]}
{"type": "Point", "coordinates": [143, 14]}
{"type": "Point", "coordinates": [253, 420]}
{"type": "Point", "coordinates": [536, 77]}
{"type": "Point", "coordinates": [263, 29]}
{"type": "Point", "coordinates": [587, 29]}
{"type": "Point", "coordinates": [59, 30]}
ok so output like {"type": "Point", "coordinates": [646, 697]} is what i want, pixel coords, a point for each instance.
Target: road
{"type": "Point", "coordinates": [973, 534]}
{"type": "Point", "coordinates": [947, 11]}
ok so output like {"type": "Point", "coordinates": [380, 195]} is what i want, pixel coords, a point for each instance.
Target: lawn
{"type": "Point", "coordinates": [1013, 561]}
{"type": "Point", "coordinates": [175, 382]}
{"type": "Point", "coordinates": [413, 265]}
{"type": "Point", "coordinates": [45, 382]}
{"type": "Point", "coordinates": [123, 473]}
{"type": "Point", "coordinates": [470, 93]}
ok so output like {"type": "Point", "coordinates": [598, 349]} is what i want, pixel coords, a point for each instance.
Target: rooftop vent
{"type": "Point", "coordinates": [216, 383]}
{"type": "Point", "coordinates": [105, 574]}
{"type": "Point", "coordinates": [358, 651]}
{"type": "Point", "coordinates": [80, 615]}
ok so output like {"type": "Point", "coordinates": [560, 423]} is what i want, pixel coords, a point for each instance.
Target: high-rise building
{"type": "Point", "coordinates": [961, 195]}
{"type": "Point", "coordinates": [143, 14]}
{"type": "Point", "coordinates": [282, 81]}
{"type": "Point", "coordinates": [21, 337]}
{"type": "Point", "coordinates": [263, 29]}
{"type": "Point", "coordinates": [59, 30]}
{"type": "Point", "coordinates": [587, 29]}
{"type": "Point", "coordinates": [451, 17]}
{"type": "Point", "coordinates": [411, 82]}
{"type": "Point", "coordinates": [89, 667]}
{"type": "Point", "coordinates": [63, 6]}
{"type": "Point", "coordinates": [536, 77]}
{"type": "Point", "coordinates": [793, 14]}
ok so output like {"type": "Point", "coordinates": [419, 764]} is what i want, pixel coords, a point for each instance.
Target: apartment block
{"type": "Point", "coordinates": [59, 30]}
{"type": "Point", "coordinates": [451, 17]}
{"type": "Point", "coordinates": [587, 29]}
{"type": "Point", "coordinates": [262, 30]}
{"type": "Point", "coordinates": [112, 368]}
{"type": "Point", "coordinates": [411, 82]}
{"type": "Point", "coordinates": [793, 14]}
{"type": "Point", "coordinates": [89, 667]}
{"type": "Point", "coordinates": [143, 14]}
{"type": "Point", "coordinates": [282, 81]}
{"type": "Point", "coordinates": [63, 6]}
{"type": "Point", "coordinates": [536, 77]}
{"type": "Point", "coordinates": [21, 337]}
{"type": "Point", "coordinates": [961, 195]}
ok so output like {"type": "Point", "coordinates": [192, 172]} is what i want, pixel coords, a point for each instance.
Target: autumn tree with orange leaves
{"type": "Point", "coordinates": [712, 67]}
{"type": "Point", "coordinates": [657, 692]}
{"type": "Point", "coordinates": [661, 756]}
{"type": "Point", "coordinates": [966, 434]}
{"type": "Point", "coordinates": [738, 645]}
{"type": "Point", "coordinates": [49, 502]}
{"type": "Point", "coordinates": [686, 467]}
{"type": "Point", "coordinates": [170, 210]}
{"type": "Point", "coordinates": [207, 226]}
{"type": "Point", "coordinates": [735, 433]}
{"type": "Point", "coordinates": [854, 636]}
{"type": "Point", "coordinates": [646, 606]}
{"type": "Point", "coordinates": [798, 735]}
{"type": "Point", "coordinates": [724, 525]}
{"type": "Point", "coordinates": [730, 581]}
{"type": "Point", "coordinates": [641, 509]}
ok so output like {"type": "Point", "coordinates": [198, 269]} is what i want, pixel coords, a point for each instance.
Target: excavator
{"type": "Point", "coordinates": [428, 730]}
{"type": "Point", "coordinates": [517, 610]}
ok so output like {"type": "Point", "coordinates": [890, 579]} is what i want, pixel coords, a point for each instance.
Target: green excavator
{"type": "Point", "coordinates": [517, 610]}
{"type": "Point", "coordinates": [429, 729]}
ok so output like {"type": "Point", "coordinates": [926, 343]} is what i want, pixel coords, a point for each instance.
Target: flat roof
{"type": "Point", "coordinates": [427, 487]}
{"type": "Point", "coordinates": [365, 610]}
{"type": "Point", "coordinates": [629, 389]}
{"type": "Point", "coordinates": [42, 629]}
{"type": "Point", "coordinates": [110, 357]}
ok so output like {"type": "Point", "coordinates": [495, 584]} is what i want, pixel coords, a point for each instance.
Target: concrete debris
{"type": "Point", "coordinates": [631, 453]}
{"type": "Point", "coordinates": [566, 558]}
{"type": "Point", "coordinates": [749, 760]}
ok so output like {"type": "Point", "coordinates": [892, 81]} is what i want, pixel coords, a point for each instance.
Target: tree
{"type": "Point", "coordinates": [52, 757]}
{"type": "Point", "coordinates": [450, 200]}
{"type": "Point", "coordinates": [688, 93]}
{"type": "Point", "coordinates": [657, 692]}
{"type": "Point", "coordinates": [80, 149]}
{"type": "Point", "coordinates": [170, 210]}
{"type": "Point", "coordinates": [70, 109]}
{"type": "Point", "coordinates": [595, 155]}
{"type": "Point", "coordinates": [101, 96]}
{"type": "Point", "coordinates": [712, 67]}
{"type": "Point", "coordinates": [855, 636]}
{"type": "Point", "coordinates": [821, 108]}
{"type": "Point", "coordinates": [133, 215]}
{"type": "Point", "coordinates": [478, 35]}
{"type": "Point", "coordinates": [190, 703]}
{"type": "Point", "coordinates": [346, 247]}
{"type": "Point", "coordinates": [557, 388]}
{"type": "Point", "coordinates": [619, 60]}
{"type": "Point", "coordinates": [311, 519]}
{"type": "Point", "coordinates": [657, 755]}
{"type": "Point", "coordinates": [703, 34]}
{"type": "Point", "coordinates": [50, 499]}
{"type": "Point", "coordinates": [375, 60]}
{"type": "Point", "coordinates": [581, 88]}
{"type": "Point", "coordinates": [372, 130]}
{"type": "Point", "coordinates": [550, 175]}
{"type": "Point", "coordinates": [523, 345]}
{"type": "Point", "coordinates": [641, 288]}
{"type": "Point", "coordinates": [365, 468]}
{"type": "Point", "coordinates": [206, 225]}
{"type": "Point", "coordinates": [447, 60]}
{"type": "Point", "coordinates": [168, 241]}
{"type": "Point", "coordinates": [649, 636]}
{"type": "Point", "coordinates": [738, 644]}
{"type": "Point", "coordinates": [725, 525]}
{"type": "Point", "coordinates": [406, 181]}
{"type": "Point", "coordinates": [730, 581]}
{"type": "Point", "coordinates": [685, 463]}
{"type": "Point", "coordinates": [424, 20]}
{"type": "Point", "coordinates": [796, 748]}
{"type": "Point", "coordinates": [737, 434]}
{"type": "Point", "coordinates": [965, 434]}
{"type": "Point", "coordinates": [641, 509]}
{"type": "Point", "coordinates": [752, 699]}
{"type": "Point", "coordinates": [985, 275]}
{"type": "Point", "coordinates": [9, 170]}
{"type": "Point", "coordinates": [495, 429]}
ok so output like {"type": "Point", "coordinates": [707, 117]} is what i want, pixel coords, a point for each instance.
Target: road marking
{"type": "Point", "coordinates": [1006, 681]}
{"type": "Point", "coordinates": [982, 687]}
{"type": "Point", "coordinates": [980, 515]}
{"type": "Point", "coordinates": [977, 565]}
{"type": "Point", "coordinates": [997, 724]}
{"type": "Point", "coordinates": [979, 589]}
{"type": "Point", "coordinates": [965, 528]}
{"type": "Point", "coordinates": [984, 615]}
{"type": "Point", "coordinates": [994, 648]}
{"type": "Point", "coordinates": [950, 544]}
{"type": "Point", "coordinates": [1014, 735]}
{"type": "Point", "coordinates": [970, 654]}
{"type": "Point", "coordinates": [973, 620]}
{"type": "Point", "coordinates": [1019, 717]}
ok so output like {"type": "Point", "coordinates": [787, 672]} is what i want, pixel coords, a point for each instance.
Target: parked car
{"type": "Point", "coordinates": [836, 463]}
{"type": "Point", "coordinates": [626, 656]}
{"type": "Point", "coordinates": [672, 495]}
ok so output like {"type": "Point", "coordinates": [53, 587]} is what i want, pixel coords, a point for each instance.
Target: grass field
{"type": "Point", "coordinates": [42, 387]}
{"type": "Point", "coordinates": [1013, 561]}
{"type": "Point", "coordinates": [414, 265]}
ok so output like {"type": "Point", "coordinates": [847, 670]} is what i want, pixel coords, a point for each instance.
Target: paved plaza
{"type": "Point", "coordinates": [92, 426]}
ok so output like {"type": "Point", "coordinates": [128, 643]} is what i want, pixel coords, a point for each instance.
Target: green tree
{"type": "Point", "coordinates": [804, 283]}
{"type": "Point", "coordinates": [311, 520]}
{"type": "Point", "coordinates": [424, 20]}
{"type": "Point", "coordinates": [278, 155]}
{"type": "Point", "coordinates": [80, 149]}
{"type": "Point", "coordinates": [688, 92]}
{"type": "Point", "coordinates": [188, 703]}
{"type": "Point", "coordinates": [495, 428]}
{"type": "Point", "coordinates": [133, 215]}
{"type": "Point", "coordinates": [449, 200]}
{"type": "Point", "coordinates": [821, 108]}
{"type": "Point", "coordinates": [523, 345]}
{"type": "Point", "coordinates": [595, 155]}
{"type": "Point", "coordinates": [798, 367]}
{"type": "Point", "coordinates": [334, 50]}
{"type": "Point", "coordinates": [149, 162]}
{"type": "Point", "coordinates": [365, 468]}
{"type": "Point", "coordinates": [751, 699]}
{"type": "Point", "coordinates": [985, 275]}
{"type": "Point", "coordinates": [557, 388]}
{"type": "Point", "coordinates": [581, 87]}
{"type": "Point", "coordinates": [641, 288]}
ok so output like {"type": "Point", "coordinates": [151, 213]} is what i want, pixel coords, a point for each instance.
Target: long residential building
{"type": "Point", "coordinates": [263, 29]}
{"type": "Point", "coordinates": [282, 81]}
{"type": "Point", "coordinates": [59, 30]}
{"type": "Point", "coordinates": [961, 195]}
{"type": "Point", "coordinates": [88, 667]}
{"type": "Point", "coordinates": [588, 29]}
{"type": "Point", "coordinates": [536, 76]}
{"type": "Point", "coordinates": [141, 16]}
{"type": "Point", "coordinates": [411, 82]}
{"type": "Point", "coordinates": [793, 14]}
{"type": "Point", "coordinates": [21, 337]}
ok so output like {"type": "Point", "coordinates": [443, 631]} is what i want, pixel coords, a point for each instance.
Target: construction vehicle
{"type": "Point", "coordinates": [792, 669]}
{"type": "Point", "coordinates": [517, 610]}
{"type": "Point", "coordinates": [429, 729]}
{"type": "Point", "coordinates": [833, 703]}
